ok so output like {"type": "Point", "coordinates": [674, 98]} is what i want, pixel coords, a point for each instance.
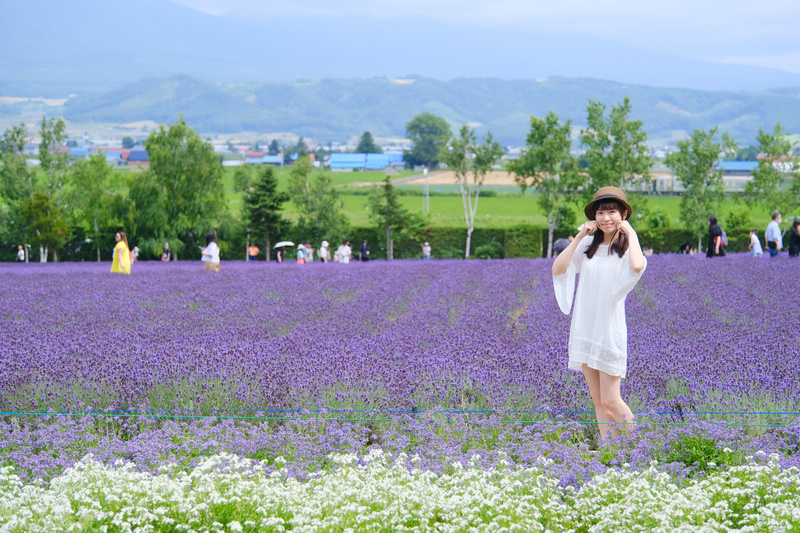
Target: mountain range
{"type": "Point", "coordinates": [337, 109]}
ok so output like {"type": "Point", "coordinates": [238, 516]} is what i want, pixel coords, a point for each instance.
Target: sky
{"type": "Point", "coordinates": [763, 33]}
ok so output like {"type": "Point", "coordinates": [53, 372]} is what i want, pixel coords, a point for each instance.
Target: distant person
{"type": "Point", "coordinates": [426, 251]}
{"type": "Point", "coordinates": [121, 260]}
{"type": "Point", "coordinates": [309, 252]}
{"type": "Point", "coordinates": [279, 254]}
{"type": "Point", "coordinates": [135, 254]}
{"type": "Point", "coordinates": [301, 254]}
{"type": "Point", "coordinates": [794, 238]}
{"type": "Point", "coordinates": [324, 252]}
{"type": "Point", "coordinates": [20, 255]}
{"type": "Point", "coordinates": [755, 245]}
{"type": "Point", "coordinates": [210, 256]}
{"type": "Point", "coordinates": [715, 248]}
{"type": "Point", "coordinates": [647, 251]}
{"type": "Point", "coordinates": [561, 244]}
{"type": "Point", "coordinates": [773, 235]}
{"type": "Point", "coordinates": [167, 255]}
{"type": "Point", "coordinates": [252, 252]}
{"type": "Point", "coordinates": [344, 252]}
{"type": "Point", "coordinates": [685, 249]}
{"type": "Point", "coordinates": [363, 252]}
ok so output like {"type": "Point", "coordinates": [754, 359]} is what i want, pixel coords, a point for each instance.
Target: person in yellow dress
{"type": "Point", "coordinates": [122, 255]}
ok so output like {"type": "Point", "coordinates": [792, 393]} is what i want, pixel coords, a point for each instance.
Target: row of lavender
{"type": "Point", "coordinates": [704, 335]}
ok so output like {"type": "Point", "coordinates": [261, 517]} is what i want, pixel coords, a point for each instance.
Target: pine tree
{"type": "Point", "coordinates": [263, 206]}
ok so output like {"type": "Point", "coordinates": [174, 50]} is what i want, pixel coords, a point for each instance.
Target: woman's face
{"type": "Point", "coordinates": [117, 237]}
{"type": "Point", "coordinates": [608, 220]}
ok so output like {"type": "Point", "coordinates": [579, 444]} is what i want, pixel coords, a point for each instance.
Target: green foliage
{"type": "Point", "coordinates": [91, 197]}
{"type": "Point", "coordinates": [320, 215]}
{"type": "Point", "coordinates": [242, 178]}
{"type": "Point", "coordinates": [547, 164]}
{"type": "Point", "coordinates": [616, 147]}
{"type": "Point", "coordinates": [274, 148]}
{"type": "Point", "coordinates": [523, 241]}
{"type": "Point", "coordinates": [694, 164]}
{"type": "Point", "coordinates": [765, 188]}
{"type": "Point", "coordinates": [429, 134]}
{"type": "Point", "coordinates": [366, 145]}
{"type": "Point", "coordinates": [185, 185]}
{"type": "Point", "coordinates": [54, 135]}
{"type": "Point", "coordinates": [748, 153]}
{"type": "Point", "coordinates": [44, 223]}
{"type": "Point", "coordinates": [262, 208]}
{"type": "Point", "coordinates": [16, 181]}
{"type": "Point", "coordinates": [128, 142]}
{"type": "Point", "coordinates": [657, 218]}
{"type": "Point", "coordinates": [388, 214]}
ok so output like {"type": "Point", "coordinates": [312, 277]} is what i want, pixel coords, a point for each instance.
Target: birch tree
{"type": "Point", "coordinates": [547, 165]}
{"type": "Point", "coordinates": [775, 161]}
{"type": "Point", "coordinates": [471, 162]}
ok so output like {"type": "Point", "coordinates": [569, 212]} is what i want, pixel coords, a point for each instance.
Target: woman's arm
{"type": "Point", "coordinates": [635, 255]}
{"type": "Point", "coordinates": [561, 264]}
{"type": "Point", "coordinates": [717, 240]}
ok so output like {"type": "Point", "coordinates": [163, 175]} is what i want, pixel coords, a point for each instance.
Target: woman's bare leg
{"type": "Point", "coordinates": [603, 414]}
{"type": "Point", "coordinates": [612, 401]}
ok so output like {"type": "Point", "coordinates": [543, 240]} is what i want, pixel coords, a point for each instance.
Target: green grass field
{"type": "Point", "coordinates": [508, 208]}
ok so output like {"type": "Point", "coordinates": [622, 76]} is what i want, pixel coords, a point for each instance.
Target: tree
{"type": "Point", "coordinates": [471, 162]}
{"type": "Point", "coordinates": [693, 164]}
{"type": "Point", "coordinates": [90, 196]}
{"type": "Point", "coordinates": [242, 178]}
{"type": "Point", "coordinates": [385, 209]}
{"type": "Point", "coordinates": [184, 167]}
{"type": "Point", "coordinates": [43, 220]}
{"type": "Point", "coordinates": [548, 165]}
{"type": "Point", "coordinates": [367, 145]}
{"type": "Point", "coordinates": [262, 207]}
{"type": "Point", "coordinates": [616, 147]}
{"type": "Point", "coordinates": [429, 134]}
{"type": "Point", "coordinates": [16, 180]}
{"type": "Point", "coordinates": [128, 142]}
{"type": "Point", "coordinates": [318, 202]}
{"type": "Point", "coordinates": [274, 148]}
{"type": "Point", "coordinates": [52, 160]}
{"type": "Point", "coordinates": [765, 188]}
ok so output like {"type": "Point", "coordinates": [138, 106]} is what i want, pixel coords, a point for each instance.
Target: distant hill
{"type": "Point", "coordinates": [80, 45]}
{"type": "Point", "coordinates": [336, 109]}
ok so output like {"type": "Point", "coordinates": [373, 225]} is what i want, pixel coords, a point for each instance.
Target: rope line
{"type": "Point", "coordinates": [111, 414]}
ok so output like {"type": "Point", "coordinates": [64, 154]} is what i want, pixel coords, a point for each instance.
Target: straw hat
{"type": "Point", "coordinates": [607, 193]}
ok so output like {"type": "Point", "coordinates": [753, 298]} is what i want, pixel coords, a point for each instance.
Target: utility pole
{"type": "Point", "coordinates": [426, 206]}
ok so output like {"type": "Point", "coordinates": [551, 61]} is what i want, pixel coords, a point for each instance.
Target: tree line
{"type": "Point", "coordinates": [181, 195]}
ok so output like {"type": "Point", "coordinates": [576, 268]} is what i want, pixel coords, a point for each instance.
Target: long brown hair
{"type": "Point", "coordinates": [124, 238]}
{"type": "Point", "coordinates": [620, 244]}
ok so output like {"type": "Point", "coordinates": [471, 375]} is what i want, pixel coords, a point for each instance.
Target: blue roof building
{"type": "Point", "coordinates": [737, 166]}
{"type": "Point", "coordinates": [79, 153]}
{"type": "Point", "coordinates": [364, 161]}
{"type": "Point", "coordinates": [138, 153]}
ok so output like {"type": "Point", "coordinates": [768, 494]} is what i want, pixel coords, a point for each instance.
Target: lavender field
{"type": "Point", "coordinates": [439, 366]}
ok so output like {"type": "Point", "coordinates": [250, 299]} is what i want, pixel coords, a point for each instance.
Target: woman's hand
{"type": "Point", "coordinates": [588, 228]}
{"type": "Point", "coordinates": [625, 227]}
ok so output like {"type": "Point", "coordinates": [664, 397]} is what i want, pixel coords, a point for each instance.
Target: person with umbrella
{"type": "Point", "coordinates": [280, 252]}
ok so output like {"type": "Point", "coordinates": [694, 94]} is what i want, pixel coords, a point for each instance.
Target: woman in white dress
{"type": "Point", "coordinates": [610, 264]}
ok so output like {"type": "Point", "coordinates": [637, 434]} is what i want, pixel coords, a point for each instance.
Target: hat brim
{"type": "Point", "coordinates": [589, 209]}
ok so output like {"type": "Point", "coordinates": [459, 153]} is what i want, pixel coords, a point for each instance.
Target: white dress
{"type": "Point", "coordinates": [598, 335]}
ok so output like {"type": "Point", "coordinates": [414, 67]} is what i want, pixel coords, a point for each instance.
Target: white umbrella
{"type": "Point", "coordinates": [283, 243]}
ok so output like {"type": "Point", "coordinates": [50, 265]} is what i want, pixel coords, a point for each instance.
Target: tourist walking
{"type": "Point", "coordinates": [167, 255]}
{"type": "Point", "coordinates": [308, 252]}
{"type": "Point", "coordinates": [344, 253]}
{"type": "Point", "coordinates": [715, 248]}
{"type": "Point", "coordinates": [426, 251]}
{"type": "Point", "coordinates": [773, 235]}
{"type": "Point", "coordinates": [20, 255]}
{"type": "Point", "coordinates": [210, 253]}
{"type": "Point", "coordinates": [121, 260]}
{"type": "Point", "coordinates": [610, 263]}
{"type": "Point", "coordinates": [794, 238]}
{"type": "Point", "coordinates": [755, 244]}
{"type": "Point", "coordinates": [324, 252]}
{"type": "Point", "coordinates": [301, 254]}
{"type": "Point", "coordinates": [252, 252]}
{"type": "Point", "coordinates": [363, 252]}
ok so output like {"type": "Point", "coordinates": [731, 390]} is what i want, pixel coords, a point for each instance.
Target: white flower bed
{"type": "Point", "coordinates": [228, 493]}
